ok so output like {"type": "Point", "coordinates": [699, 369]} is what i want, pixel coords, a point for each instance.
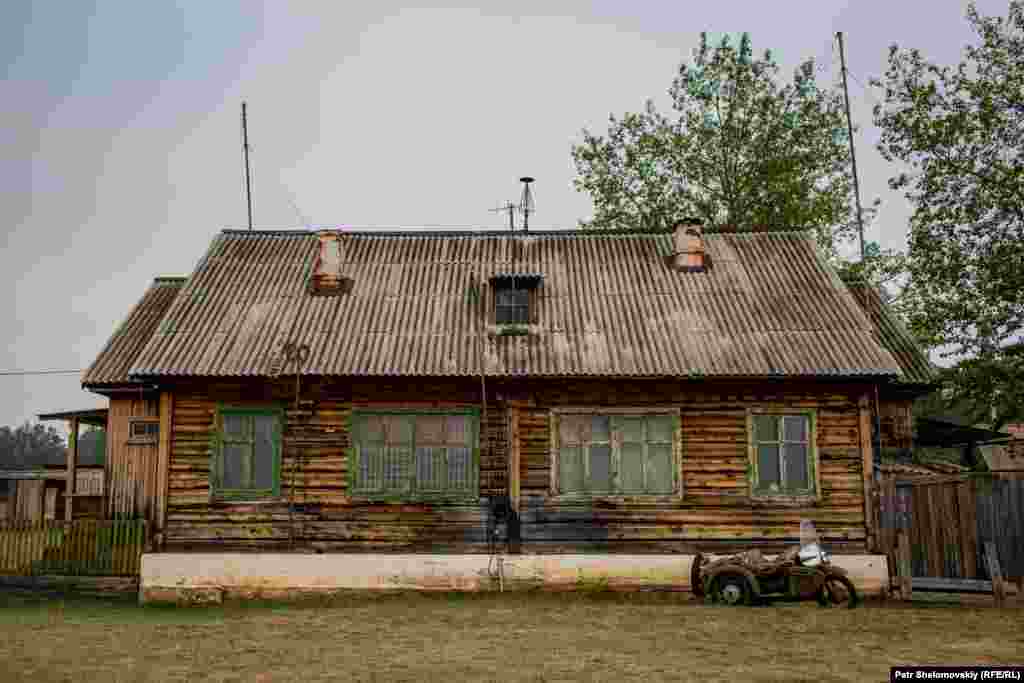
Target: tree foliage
{"type": "Point", "coordinates": [30, 444]}
{"type": "Point", "coordinates": [739, 149]}
{"type": "Point", "coordinates": [959, 132]}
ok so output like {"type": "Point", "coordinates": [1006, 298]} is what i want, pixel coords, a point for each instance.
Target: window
{"type": "Point", "coordinates": [143, 431]}
{"type": "Point", "coordinates": [615, 454]}
{"type": "Point", "coordinates": [249, 453]}
{"type": "Point", "coordinates": [414, 455]}
{"type": "Point", "coordinates": [512, 305]}
{"type": "Point", "coordinates": [783, 454]}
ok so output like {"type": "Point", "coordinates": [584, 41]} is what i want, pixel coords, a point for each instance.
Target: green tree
{"type": "Point", "coordinates": [30, 444]}
{"type": "Point", "coordinates": [739, 149]}
{"type": "Point", "coordinates": [959, 132]}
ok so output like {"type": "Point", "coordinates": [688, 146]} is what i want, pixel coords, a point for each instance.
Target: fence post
{"type": "Point", "coordinates": [903, 563]}
{"type": "Point", "coordinates": [998, 591]}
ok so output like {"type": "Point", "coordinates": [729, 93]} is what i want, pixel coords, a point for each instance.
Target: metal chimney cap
{"type": "Point", "coordinates": [526, 179]}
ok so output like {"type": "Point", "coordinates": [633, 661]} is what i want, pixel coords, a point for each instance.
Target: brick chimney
{"type": "Point", "coordinates": [327, 278]}
{"type": "Point", "coordinates": [688, 252]}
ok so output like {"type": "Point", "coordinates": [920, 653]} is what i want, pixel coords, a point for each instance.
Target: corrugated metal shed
{"type": "Point", "coordinates": [111, 366]}
{"type": "Point", "coordinates": [608, 305]}
{"type": "Point", "coordinates": [915, 368]}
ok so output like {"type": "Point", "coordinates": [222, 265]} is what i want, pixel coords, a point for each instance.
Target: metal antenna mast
{"type": "Point", "coordinates": [853, 156]}
{"type": "Point", "coordinates": [245, 146]}
{"type": "Point", "coordinates": [511, 208]}
{"type": "Point", "coordinates": [526, 203]}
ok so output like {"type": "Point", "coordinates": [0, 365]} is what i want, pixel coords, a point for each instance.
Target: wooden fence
{"type": "Point", "coordinates": [949, 519]}
{"type": "Point", "coordinates": [79, 548]}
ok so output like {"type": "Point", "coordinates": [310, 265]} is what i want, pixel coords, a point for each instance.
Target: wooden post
{"type": "Point", "coordinates": [867, 466]}
{"type": "Point", "coordinates": [998, 590]}
{"type": "Point", "coordinates": [163, 466]}
{"type": "Point", "coordinates": [513, 458]}
{"type": "Point", "coordinates": [72, 475]}
{"type": "Point", "coordinates": [903, 566]}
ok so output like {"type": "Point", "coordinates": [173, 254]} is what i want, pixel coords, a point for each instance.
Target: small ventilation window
{"type": "Point", "coordinates": [327, 279]}
{"type": "Point", "coordinates": [143, 431]}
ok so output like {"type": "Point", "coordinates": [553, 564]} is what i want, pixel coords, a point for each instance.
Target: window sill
{"type": "Point", "coordinates": [247, 498]}
{"type": "Point", "coordinates": [785, 499]}
{"type": "Point", "coordinates": [615, 500]}
{"type": "Point", "coordinates": [402, 498]}
{"type": "Point", "coordinates": [142, 442]}
{"type": "Point", "coordinates": [511, 330]}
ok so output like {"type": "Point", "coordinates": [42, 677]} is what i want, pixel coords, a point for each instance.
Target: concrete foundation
{"type": "Point", "coordinates": [212, 577]}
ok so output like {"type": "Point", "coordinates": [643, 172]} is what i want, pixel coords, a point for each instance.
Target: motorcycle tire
{"type": "Point", "coordinates": [731, 590]}
{"type": "Point", "coordinates": [696, 581]}
{"type": "Point", "coordinates": [827, 597]}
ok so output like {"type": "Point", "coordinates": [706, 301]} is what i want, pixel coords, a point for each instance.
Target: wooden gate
{"type": "Point", "coordinates": [79, 548]}
{"type": "Point", "coordinates": [950, 518]}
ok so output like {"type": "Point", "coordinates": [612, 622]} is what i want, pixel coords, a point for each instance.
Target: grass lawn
{"type": "Point", "coordinates": [503, 637]}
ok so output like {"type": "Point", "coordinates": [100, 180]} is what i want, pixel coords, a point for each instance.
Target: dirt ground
{"type": "Point", "coordinates": [492, 637]}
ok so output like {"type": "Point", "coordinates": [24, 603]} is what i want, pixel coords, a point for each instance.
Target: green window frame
{"type": "Point", "coordinates": [415, 455]}
{"type": "Point", "coordinates": [247, 453]}
{"type": "Point", "coordinates": [783, 453]}
{"type": "Point", "coordinates": [615, 453]}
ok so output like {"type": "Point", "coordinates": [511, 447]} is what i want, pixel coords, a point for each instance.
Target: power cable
{"type": "Point", "coordinates": [28, 373]}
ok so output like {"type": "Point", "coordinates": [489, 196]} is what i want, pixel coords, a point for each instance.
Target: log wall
{"type": "Point", "coordinates": [315, 513]}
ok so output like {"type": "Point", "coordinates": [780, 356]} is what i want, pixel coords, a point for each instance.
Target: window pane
{"type": "Point", "coordinates": [430, 468]}
{"type": "Point", "coordinates": [659, 468]}
{"type": "Point", "coordinates": [795, 427]}
{"type": "Point", "coordinates": [521, 315]}
{"type": "Point", "coordinates": [234, 467]}
{"type": "Point", "coordinates": [659, 429]}
{"type": "Point", "coordinates": [263, 456]}
{"type": "Point", "coordinates": [600, 429]}
{"type": "Point", "coordinates": [369, 468]}
{"type": "Point", "coordinates": [766, 428]}
{"type": "Point", "coordinates": [395, 468]}
{"type": "Point", "coordinates": [795, 459]}
{"type": "Point", "coordinates": [521, 297]}
{"type": "Point", "coordinates": [569, 429]}
{"type": "Point", "coordinates": [458, 430]}
{"type": "Point", "coordinates": [505, 297]}
{"type": "Point", "coordinates": [631, 467]}
{"type": "Point", "coordinates": [570, 469]}
{"type": "Point", "coordinates": [369, 428]}
{"type": "Point", "coordinates": [767, 466]}
{"type": "Point", "coordinates": [632, 429]}
{"type": "Point", "coordinates": [399, 429]}
{"type": "Point", "coordinates": [429, 429]}
{"type": "Point", "coordinates": [460, 469]}
{"type": "Point", "coordinates": [600, 468]}
{"type": "Point", "coordinates": [504, 315]}
{"type": "Point", "coordinates": [235, 426]}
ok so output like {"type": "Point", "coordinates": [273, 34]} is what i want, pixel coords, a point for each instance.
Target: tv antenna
{"type": "Point", "coordinates": [526, 204]}
{"type": "Point", "coordinates": [511, 209]}
{"type": "Point", "coordinates": [245, 148]}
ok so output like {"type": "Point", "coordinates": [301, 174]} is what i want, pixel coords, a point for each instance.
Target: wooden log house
{"type": "Point", "coordinates": [640, 393]}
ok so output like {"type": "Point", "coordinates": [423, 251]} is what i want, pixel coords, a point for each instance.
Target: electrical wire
{"type": "Point", "coordinates": [29, 373]}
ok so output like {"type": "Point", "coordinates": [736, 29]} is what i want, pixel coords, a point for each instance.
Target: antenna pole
{"type": "Point", "coordinates": [527, 202]}
{"type": "Point", "coordinates": [245, 146]}
{"type": "Point", "coordinates": [853, 156]}
{"type": "Point", "coordinates": [510, 208]}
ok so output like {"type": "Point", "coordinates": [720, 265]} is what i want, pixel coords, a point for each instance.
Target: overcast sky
{"type": "Point", "coordinates": [120, 152]}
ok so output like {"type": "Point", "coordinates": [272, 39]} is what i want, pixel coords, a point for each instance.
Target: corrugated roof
{"type": "Point", "coordinates": [113, 362]}
{"type": "Point", "coordinates": [609, 305]}
{"type": "Point", "coordinates": [915, 368]}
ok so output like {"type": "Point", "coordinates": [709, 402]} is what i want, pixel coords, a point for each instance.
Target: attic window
{"type": "Point", "coordinates": [512, 298]}
{"type": "Point", "coordinates": [327, 279]}
{"type": "Point", "coordinates": [143, 431]}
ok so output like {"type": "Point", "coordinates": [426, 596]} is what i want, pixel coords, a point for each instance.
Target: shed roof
{"type": "Point", "coordinates": [889, 331]}
{"type": "Point", "coordinates": [112, 363]}
{"type": "Point", "coordinates": [608, 305]}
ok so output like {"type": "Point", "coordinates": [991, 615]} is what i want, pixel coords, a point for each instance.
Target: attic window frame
{"type": "Point", "coordinates": [521, 287]}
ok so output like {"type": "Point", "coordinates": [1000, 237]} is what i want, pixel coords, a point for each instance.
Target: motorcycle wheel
{"type": "Point", "coordinates": [696, 581]}
{"type": "Point", "coordinates": [732, 590]}
{"type": "Point", "coordinates": [838, 591]}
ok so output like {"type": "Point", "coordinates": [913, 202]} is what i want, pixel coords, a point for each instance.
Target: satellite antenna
{"type": "Point", "coordinates": [526, 204]}
{"type": "Point", "coordinates": [511, 208]}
